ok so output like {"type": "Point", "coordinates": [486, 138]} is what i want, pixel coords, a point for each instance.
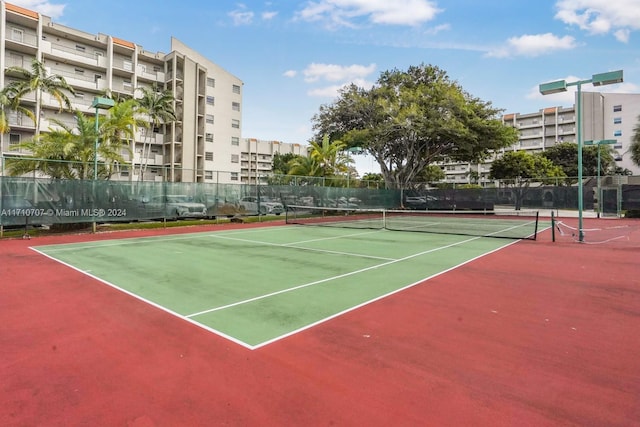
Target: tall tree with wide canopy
{"type": "Point", "coordinates": [518, 169]}
{"type": "Point", "coordinates": [565, 155]}
{"type": "Point", "coordinates": [39, 81]}
{"type": "Point", "coordinates": [411, 119]}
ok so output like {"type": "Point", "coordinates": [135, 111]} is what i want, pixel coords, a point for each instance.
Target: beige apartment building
{"type": "Point", "coordinates": [605, 116]}
{"type": "Point", "coordinates": [204, 139]}
{"type": "Point", "coordinates": [256, 157]}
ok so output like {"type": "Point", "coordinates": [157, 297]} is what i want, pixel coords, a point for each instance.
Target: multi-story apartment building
{"type": "Point", "coordinates": [256, 157]}
{"type": "Point", "coordinates": [204, 138]}
{"type": "Point", "coordinates": [605, 116]}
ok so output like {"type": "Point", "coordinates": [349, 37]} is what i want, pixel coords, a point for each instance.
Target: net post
{"type": "Point", "coordinates": [553, 227]}
{"type": "Point", "coordinates": [535, 232]}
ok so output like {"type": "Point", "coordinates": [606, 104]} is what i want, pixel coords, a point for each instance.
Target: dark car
{"type": "Point", "coordinates": [17, 211]}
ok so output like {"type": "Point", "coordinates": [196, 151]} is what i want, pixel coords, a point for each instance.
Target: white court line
{"type": "Point", "coordinates": [355, 307]}
{"type": "Point", "coordinates": [133, 240]}
{"type": "Point", "coordinates": [153, 304]}
{"type": "Point", "coordinates": [317, 282]}
{"type": "Point", "coordinates": [302, 248]}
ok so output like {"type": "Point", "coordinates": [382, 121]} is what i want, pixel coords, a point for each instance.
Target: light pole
{"type": "Point", "coordinates": [99, 103]}
{"type": "Point", "coordinates": [600, 79]}
{"type": "Point", "coordinates": [600, 142]}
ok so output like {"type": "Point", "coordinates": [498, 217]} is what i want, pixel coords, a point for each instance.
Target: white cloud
{"type": "Point", "coordinates": [601, 16]}
{"type": "Point", "coordinates": [290, 73]}
{"type": "Point", "coordinates": [533, 45]}
{"type": "Point", "coordinates": [336, 73]}
{"type": "Point", "coordinates": [241, 16]}
{"type": "Point", "coordinates": [267, 16]}
{"type": "Point", "coordinates": [43, 6]}
{"type": "Point", "coordinates": [343, 13]}
{"type": "Point", "coordinates": [333, 90]}
{"type": "Point", "coordinates": [339, 75]}
{"type": "Point", "coordinates": [437, 29]}
{"type": "Point", "coordinates": [622, 35]}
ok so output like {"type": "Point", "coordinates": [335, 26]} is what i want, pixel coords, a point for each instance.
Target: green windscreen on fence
{"type": "Point", "coordinates": [54, 201]}
{"type": "Point", "coordinates": [40, 201]}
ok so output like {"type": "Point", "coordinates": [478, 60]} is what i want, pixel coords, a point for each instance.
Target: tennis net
{"type": "Point", "coordinates": [509, 224]}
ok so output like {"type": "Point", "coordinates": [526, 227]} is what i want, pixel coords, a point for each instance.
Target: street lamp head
{"type": "Point", "coordinates": [102, 103]}
{"type": "Point", "coordinates": [609, 78]}
{"type": "Point", "coordinates": [553, 87]}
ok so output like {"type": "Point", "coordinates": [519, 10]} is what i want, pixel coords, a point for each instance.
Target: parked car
{"type": "Point", "coordinates": [175, 207]}
{"type": "Point", "coordinates": [261, 206]}
{"type": "Point", "coordinates": [16, 211]}
{"type": "Point", "coordinates": [419, 202]}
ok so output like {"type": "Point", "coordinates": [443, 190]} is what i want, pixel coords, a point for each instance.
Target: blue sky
{"type": "Point", "coordinates": [294, 55]}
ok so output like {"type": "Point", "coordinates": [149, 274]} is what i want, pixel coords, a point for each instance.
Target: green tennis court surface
{"type": "Point", "coordinates": [254, 286]}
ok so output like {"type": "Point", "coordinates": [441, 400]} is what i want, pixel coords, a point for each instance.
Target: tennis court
{"type": "Point", "coordinates": [190, 331]}
{"type": "Point", "coordinates": [256, 286]}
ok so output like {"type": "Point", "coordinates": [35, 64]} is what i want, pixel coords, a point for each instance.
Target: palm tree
{"type": "Point", "coordinates": [305, 166]}
{"type": "Point", "coordinates": [120, 125]}
{"type": "Point", "coordinates": [635, 144]}
{"type": "Point", "coordinates": [331, 157]}
{"type": "Point", "coordinates": [67, 153]}
{"type": "Point", "coordinates": [39, 81]}
{"type": "Point", "coordinates": [158, 106]}
{"type": "Point", "coordinates": [9, 101]}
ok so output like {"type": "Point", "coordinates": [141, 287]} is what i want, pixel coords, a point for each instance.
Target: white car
{"type": "Point", "coordinates": [265, 206]}
{"type": "Point", "coordinates": [177, 207]}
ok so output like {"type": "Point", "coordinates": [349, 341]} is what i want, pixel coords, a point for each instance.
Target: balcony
{"type": "Point", "coordinates": [21, 41]}
{"type": "Point", "coordinates": [154, 76]}
{"type": "Point", "coordinates": [73, 55]}
{"type": "Point", "coordinates": [19, 120]}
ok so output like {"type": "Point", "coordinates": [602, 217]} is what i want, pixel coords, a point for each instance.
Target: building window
{"type": "Point", "coordinates": [208, 137]}
{"type": "Point", "coordinates": [17, 34]}
{"type": "Point", "coordinates": [234, 176]}
{"type": "Point", "coordinates": [208, 156]}
{"type": "Point", "coordinates": [235, 106]}
{"type": "Point", "coordinates": [79, 71]}
{"type": "Point", "coordinates": [235, 158]}
{"type": "Point", "coordinates": [127, 84]}
{"type": "Point", "coordinates": [617, 108]}
{"type": "Point", "coordinates": [235, 140]}
{"type": "Point", "coordinates": [236, 89]}
{"type": "Point", "coordinates": [617, 120]}
{"type": "Point", "coordinates": [209, 118]}
{"type": "Point", "coordinates": [14, 138]}
{"type": "Point", "coordinates": [211, 100]}
{"type": "Point", "coordinates": [211, 82]}
{"type": "Point", "coordinates": [79, 95]}
{"type": "Point", "coordinates": [617, 133]}
{"type": "Point", "coordinates": [208, 174]}
{"type": "Point", "coordinates": [128, 66]}
{"type": "Point", "coordinates": [235, 124]}
{"type": "Point", "coordinates": [80, 48]}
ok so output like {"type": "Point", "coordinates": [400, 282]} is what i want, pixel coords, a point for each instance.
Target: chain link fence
{"type": "Point", "coordinates": [45, 201]}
